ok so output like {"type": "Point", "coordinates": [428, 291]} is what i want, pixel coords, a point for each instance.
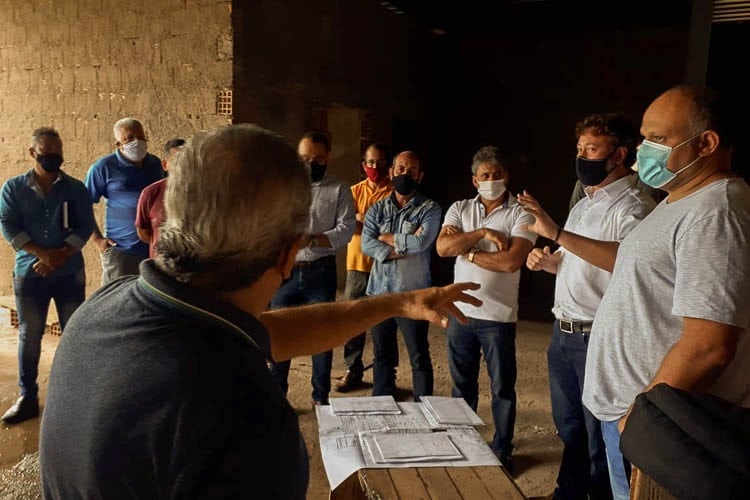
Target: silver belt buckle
{"type": "Point", "coordinates": [566, 326]}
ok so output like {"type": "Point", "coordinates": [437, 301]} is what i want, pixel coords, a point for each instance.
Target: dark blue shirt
{"type": "Point", "coordinates": [160, 390]}
{"type": "Point", "coordinates": [121, 182]}
{"type": "Point", "coordinates": [27, 214]}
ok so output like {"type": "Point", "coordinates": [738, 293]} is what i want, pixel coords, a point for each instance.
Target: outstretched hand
{"type": "Point", "coordinates": [543, 225]}
{"type": "Point", "coordinates": [437, 304]}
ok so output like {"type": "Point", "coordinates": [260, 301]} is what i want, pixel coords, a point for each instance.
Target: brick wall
{"type": "Point", "coordinates": [81, 65]}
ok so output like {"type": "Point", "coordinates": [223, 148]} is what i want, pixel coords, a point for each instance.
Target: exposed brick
{"type": "Point", "coordinates": [99, 61]}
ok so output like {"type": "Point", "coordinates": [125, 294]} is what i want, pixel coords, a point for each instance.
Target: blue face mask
{"type": "Point", "coordinates": [652, 162]}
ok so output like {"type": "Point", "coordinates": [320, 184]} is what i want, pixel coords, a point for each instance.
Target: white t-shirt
{"type": "Point", "coordinates": [609, 215]}
{"type": "Point", "coordinates": [498, 291]}
{"type": "Point", "coordinates": [689, 258]}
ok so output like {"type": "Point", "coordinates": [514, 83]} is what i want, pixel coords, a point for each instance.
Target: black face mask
{"type": "Point", "coordinates": [317, 171]}
{"type": "Point", "coordinates": [404, 184]}
{"type": "Point", "coordinates": [50, 163]}
{"type": "Point", "coordinates": [591, 172]}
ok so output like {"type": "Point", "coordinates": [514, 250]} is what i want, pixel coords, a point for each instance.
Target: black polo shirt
{"type": "Point", "coordinates": [160, 391]}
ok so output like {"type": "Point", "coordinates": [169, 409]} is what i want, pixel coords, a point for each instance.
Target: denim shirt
{"type": "Point", "coordinates": [29, 214]}
{"type": "Point", "coordinates": [415, 227]}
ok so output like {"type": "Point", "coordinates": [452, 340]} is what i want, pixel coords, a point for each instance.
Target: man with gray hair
{"type": "Point", "coordinates": [159, 387]}
{"type": "Point", "coordinates": [485, 235]}
{"type": "Point", "coordinates": [120, 177]}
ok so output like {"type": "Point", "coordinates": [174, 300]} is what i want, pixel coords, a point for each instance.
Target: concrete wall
{"type": "Point", "coordinates": [81, 65]}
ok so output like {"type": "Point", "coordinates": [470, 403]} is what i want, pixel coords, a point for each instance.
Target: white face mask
{"type": "Point", "coordinates": [135, 150]}
{"type": "Point", "coordinates": [491, 190]}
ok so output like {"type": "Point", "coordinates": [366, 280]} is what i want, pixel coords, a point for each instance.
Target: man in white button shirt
{"type": "Point", "coordinates": [484, 234]}
{"type": "Point", "coordinates": [611, 207]}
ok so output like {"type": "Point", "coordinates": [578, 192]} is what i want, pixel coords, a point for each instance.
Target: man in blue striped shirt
{"type": "Point", "coordinates": [120, 177]}
{"type": "Point", "coordinates": [47, 217]}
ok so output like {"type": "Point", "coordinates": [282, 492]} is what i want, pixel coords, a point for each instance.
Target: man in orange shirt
{"type": "Point", "coordinates": [375, 187]}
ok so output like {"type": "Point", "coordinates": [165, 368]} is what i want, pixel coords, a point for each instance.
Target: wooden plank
{"type": "Point", "coordinates": [408, 484]}
{"type": "Point", "coordinates": [350, 489]}
{"type": "Point", "coordinates": [468, 483]}
{"type": "Point", "coordinates": [438, 483]}
{"type": "Point", "coordinates": [499, 483]}
{"type": "Point", "coordinates": [377, 484]}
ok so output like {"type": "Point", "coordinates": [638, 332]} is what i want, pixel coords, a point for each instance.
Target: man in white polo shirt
{"type": "Point", "coordinates": [486, 237]}
{"type": "Point", "coordinates": [612, 206]}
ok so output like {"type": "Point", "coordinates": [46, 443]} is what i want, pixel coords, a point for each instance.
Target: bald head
{"type": "Point", "coordinates": [406, 160]}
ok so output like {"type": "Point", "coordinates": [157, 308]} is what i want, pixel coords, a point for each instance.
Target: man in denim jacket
{"type": "Point", "coordinates": [398, 234]}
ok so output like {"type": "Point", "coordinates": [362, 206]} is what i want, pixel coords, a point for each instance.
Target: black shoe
{"type": "Point", "coordinates": [25, 408]}
{"type": "Point", "coordinates": [348, 382]}
{"type": "Point", "coordinates": [506, 460]}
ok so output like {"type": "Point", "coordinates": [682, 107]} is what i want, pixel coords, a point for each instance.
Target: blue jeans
{"type": "Point", "coordinates": [356, 285]}
{"type": "Point", "coordinates": [619, 468]}
{"type": "Point", "coordinates": [33, 296]}
{"type": "Point", "coordinates": [307, 286]}
{"type": "Point", "coordinates": [583, 469]}
{"type": "Point", "coordinates": [498, 342]}
{"type": "Point", "coordinates": [385, 356]}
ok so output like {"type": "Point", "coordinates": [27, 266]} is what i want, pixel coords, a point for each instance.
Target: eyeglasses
{"type": "Point", "coordinates": [372, 163]}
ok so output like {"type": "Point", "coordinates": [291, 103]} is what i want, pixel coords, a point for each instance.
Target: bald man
{"type": "Point", "coordinates": [398, 233]}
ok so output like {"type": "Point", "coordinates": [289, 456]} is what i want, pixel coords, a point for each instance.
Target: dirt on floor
{"type": "Point", "coordinates": [537, 448]}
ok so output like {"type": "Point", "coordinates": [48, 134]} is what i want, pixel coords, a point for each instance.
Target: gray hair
{"type": "Point", "coordinates": [487, 154]}
{"type": "Point", "coordinates": [129, 123]}
{"type": "Point", "coordinates": [236, 198]}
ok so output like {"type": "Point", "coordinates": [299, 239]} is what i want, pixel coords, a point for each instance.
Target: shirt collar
{"type": "Point", "coordinates": [124, 161]}
{"type": "Point", "coordinates": [612, 189]}
{"type": "Point", "coordinates": [34, 184]}
{"type": "Point", "coordinates": [323, 180]}
{"type": "Point", "coordinates": [388, 186]}
{"type": "Point", "coordinates": [415, 200]}
{"type": "Point", "coordinates": [188, 300]}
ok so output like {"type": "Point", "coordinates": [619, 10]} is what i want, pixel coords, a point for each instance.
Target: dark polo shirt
{"type": "Point", "coordinates": [160, 391]}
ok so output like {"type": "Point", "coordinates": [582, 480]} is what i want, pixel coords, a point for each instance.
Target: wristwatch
{"type": "Point", "coordinates": [471, 256]}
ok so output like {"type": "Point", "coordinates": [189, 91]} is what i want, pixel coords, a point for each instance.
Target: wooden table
{"type": "Point", "coordinates": [471, 483]}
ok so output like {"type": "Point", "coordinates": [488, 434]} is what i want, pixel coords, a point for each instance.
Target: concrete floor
{"type": "Point", "coordinates": [537, 452]}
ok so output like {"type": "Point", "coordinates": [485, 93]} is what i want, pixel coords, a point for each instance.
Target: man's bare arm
{"type": "Point", "coordinates": [304, 330]}
{"type": "Point", "coordinates": [505, 261]}
{"type": "Point", "coordinates": [694, 362]}
{"type": "Point", "coordinates": [99, 240]}
{"type": "Point", "coordinates": [602, 254]}
{"type": "Point", "coordinates": [452, 242]}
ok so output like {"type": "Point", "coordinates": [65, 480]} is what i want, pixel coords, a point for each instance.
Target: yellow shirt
{"type": "Point", "coordinates": [364, 197]}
